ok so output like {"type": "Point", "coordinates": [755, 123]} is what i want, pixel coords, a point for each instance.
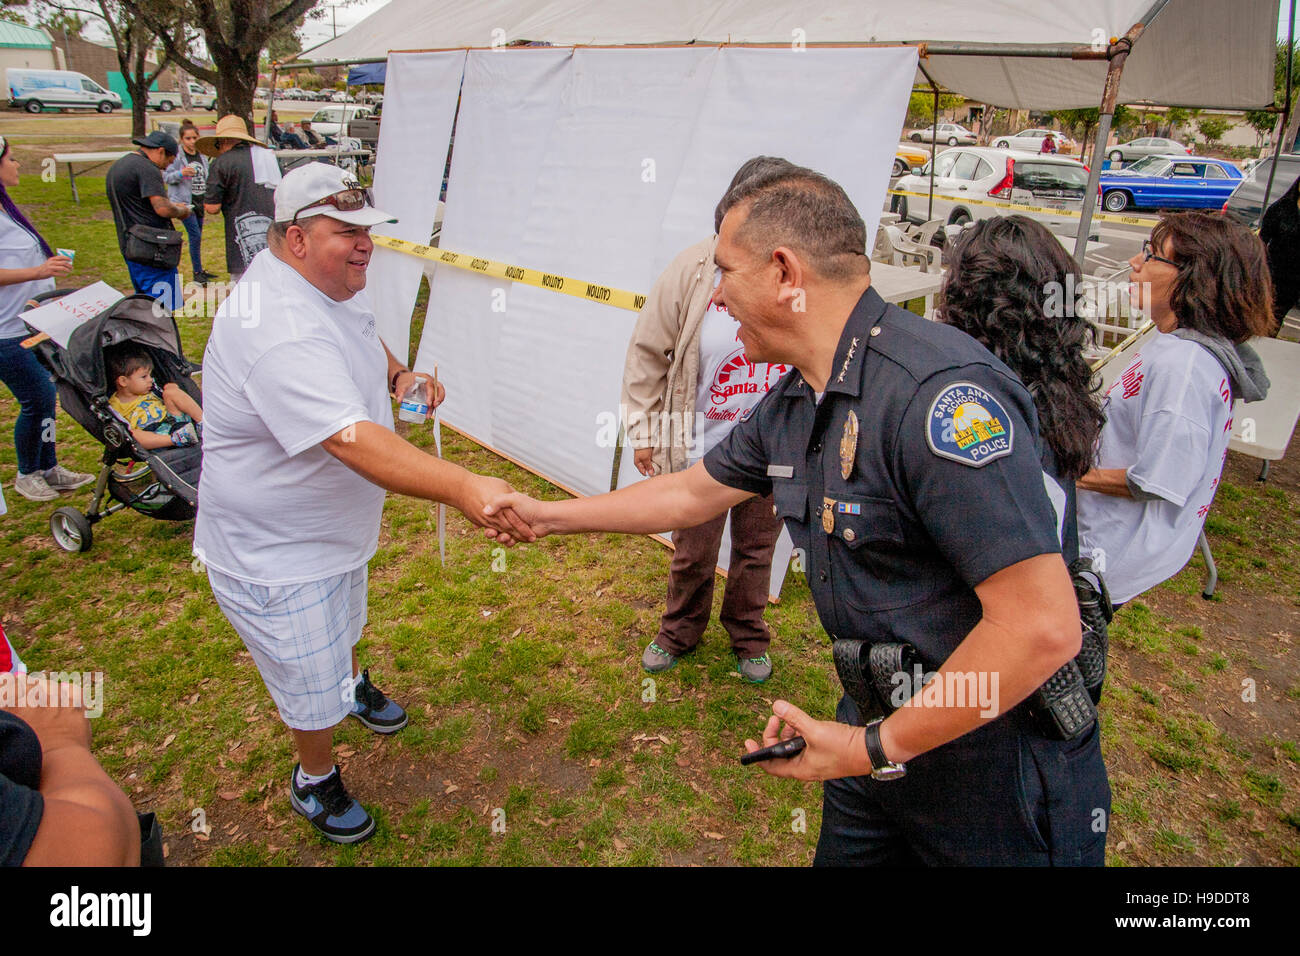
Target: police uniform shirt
{"type": "Point", "coordinates": [945, 487]}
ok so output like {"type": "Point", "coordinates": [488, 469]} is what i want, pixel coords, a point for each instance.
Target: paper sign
{"type": "Point", "coordinates": [59, 318]}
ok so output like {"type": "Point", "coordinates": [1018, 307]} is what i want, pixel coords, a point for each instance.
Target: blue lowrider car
{"type": "Point", "coordinates": [1170, 182]}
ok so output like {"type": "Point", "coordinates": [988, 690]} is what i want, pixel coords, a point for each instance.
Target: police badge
{"type": "Point", "coordinates": [849, 446]}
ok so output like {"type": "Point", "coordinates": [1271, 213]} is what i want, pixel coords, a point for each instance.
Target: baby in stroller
{"type": "Point", "coordinates": [174, 420]}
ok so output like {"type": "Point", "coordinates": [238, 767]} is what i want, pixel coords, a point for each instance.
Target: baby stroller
{"type": "Point", "coordinates": [161, 483]}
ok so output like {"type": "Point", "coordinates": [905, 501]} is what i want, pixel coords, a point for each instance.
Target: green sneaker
{"type": "Point", "coordinates": [656, 660]}
{"type": "Point", "coordinates": [754, 669]}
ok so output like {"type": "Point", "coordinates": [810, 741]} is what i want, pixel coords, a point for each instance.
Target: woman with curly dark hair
{"type": "Point", "coordinates": [1007, 276]}
{"type": "Point", "coordinates": [1203, 280]}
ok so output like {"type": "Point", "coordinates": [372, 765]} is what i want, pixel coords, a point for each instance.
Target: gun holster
{"type": "Point", "coordinates": [868, 673]}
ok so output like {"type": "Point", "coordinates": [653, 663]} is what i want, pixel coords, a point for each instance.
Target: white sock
{"type": "Point", "coordinates": [305, 779]}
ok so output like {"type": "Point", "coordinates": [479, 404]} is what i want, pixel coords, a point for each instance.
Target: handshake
{"type": "Point", "coordinates": [507, 516]}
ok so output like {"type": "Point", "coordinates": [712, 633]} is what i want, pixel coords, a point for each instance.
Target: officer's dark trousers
{"type": "Point", "coordinates": [1002, 795]}
{"type": "Point", "coordinates": [754, 530]}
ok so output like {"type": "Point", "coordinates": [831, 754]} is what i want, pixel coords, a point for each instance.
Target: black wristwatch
{"type": "Point", "coordinates": [392, 382]}
{"type": "Point", "coordinates": [881, 767]}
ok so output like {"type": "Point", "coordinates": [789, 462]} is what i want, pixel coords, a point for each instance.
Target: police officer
{"type": "Point", "coordinates": [903, 458]}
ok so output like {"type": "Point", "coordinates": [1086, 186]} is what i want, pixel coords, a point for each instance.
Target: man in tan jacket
{"type": "Point", "coordinates": [685, 384]}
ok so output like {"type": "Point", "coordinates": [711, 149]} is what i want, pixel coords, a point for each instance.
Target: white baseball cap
{"type": "Point", "coordinates": [303, 191]}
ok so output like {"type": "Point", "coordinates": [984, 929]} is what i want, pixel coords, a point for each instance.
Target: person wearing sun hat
{"type": "Point", "coordinates": [297, 408]}
{"type": "Point", "coordinates": [241, 186]}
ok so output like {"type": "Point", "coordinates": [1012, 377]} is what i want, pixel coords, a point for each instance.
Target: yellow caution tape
{"type": "Point", "coordinates": [1122, 345]}
{"type": "Point", "coordinates": [579, 288]}
{"type": "Point", "coordinates": [1018, 207]}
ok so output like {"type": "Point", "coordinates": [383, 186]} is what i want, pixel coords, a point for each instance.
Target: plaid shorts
{"type": "Point", "coordinates": [301, 638]}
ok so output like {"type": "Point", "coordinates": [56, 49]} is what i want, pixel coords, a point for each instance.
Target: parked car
{"type": "Point", "coordinates": [1145, 146]}
{"type": "Point", "coordinates": [35, 90]}
{"type": "Point", "coordinates": [365, 129]}
{"type": "Point", "coordinates": [1246, 202]}
{"type": "Point", "coordinates": [330, 120]}
{"type": "Point", "coordinates": [168, 100]}
{"type": "Point", "coordinates": [949, 133]}
{"type": "Point", "coordinates": [1031, 140]}
{"type": "Point", "coordinates": [1169, 182]}
{"type": "Point", "coordinates": [907, 158]}
{"type": "Point", "coordinates": [991, 175]}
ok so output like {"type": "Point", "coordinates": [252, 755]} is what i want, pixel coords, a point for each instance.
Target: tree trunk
{"type": "Point", "coordinates": [236, 82]}
{"type": "Point", "coordinates": [138, 86]}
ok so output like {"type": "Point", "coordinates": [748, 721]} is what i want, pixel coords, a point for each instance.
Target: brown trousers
{"type": "Point", "coordinates": [754, 530]}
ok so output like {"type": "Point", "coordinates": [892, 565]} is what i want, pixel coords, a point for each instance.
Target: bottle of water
{"type": "Point", "coordinates": [415, 402]}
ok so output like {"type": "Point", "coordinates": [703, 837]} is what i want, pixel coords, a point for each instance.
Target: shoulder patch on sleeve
{"type": "Point", "coordinates": [967, 424]}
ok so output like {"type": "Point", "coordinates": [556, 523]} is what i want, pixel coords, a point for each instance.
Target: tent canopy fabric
{"type": "Point", "coordinates": [1193, 53]}
{"type": "Point", "coordinates": [364, 74]}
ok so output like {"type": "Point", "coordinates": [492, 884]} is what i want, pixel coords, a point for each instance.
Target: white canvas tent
{"type": "Point", "coordinates": [1015, 54]}
{"type": "Point", "coordinates": [1205, 53]}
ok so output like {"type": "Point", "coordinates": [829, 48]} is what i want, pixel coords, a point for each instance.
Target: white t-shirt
{"type": "Point", "coordinates": [18, 250]}
{"type": "Point", "coordinates": [285, 368]}
{"type": "Point", "coordinates": [1168, 421]}
{"type": "Point", "coordinates": [730, 385]}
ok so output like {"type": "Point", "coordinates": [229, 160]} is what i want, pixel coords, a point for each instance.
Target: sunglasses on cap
{"type": "Point", "coordinates": [354, 197]}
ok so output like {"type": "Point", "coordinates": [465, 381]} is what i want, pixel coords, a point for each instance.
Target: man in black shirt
{"type": "Point", "coordinates": [138, 197]}
{"type": "Point", "coordinates": [241, 186]}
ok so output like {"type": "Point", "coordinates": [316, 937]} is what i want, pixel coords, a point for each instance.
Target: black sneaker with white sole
{"type": "Point", "coordinates": [331, 809]}
{"type": "Point", "coordinates": [375, 710]}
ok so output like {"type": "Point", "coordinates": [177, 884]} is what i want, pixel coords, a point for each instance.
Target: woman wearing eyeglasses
{"type": "Point", "coordinates": [1203, 280]}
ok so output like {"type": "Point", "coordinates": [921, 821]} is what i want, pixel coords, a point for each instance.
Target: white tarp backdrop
{"type": "Point", "coordinates": [1208, 53]}
{"type": "Point", "coordinates": [602, 165]}
{"type": "Point", "coordinates": [419, 108]}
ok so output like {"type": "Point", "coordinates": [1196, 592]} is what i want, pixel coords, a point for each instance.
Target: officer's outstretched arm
{"type": "Point", "coordinates": [667, 503]}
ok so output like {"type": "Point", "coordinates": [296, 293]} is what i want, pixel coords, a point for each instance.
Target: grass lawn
{"type": "Point", "coordinates": [535, 738]}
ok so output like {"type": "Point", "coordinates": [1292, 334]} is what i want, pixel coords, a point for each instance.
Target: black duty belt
{"type": "Point", "coordinates": [1062, 708]}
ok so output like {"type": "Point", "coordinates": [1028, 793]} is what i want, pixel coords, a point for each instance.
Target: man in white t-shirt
{"type": "Point", "coordinates": [298, 451]}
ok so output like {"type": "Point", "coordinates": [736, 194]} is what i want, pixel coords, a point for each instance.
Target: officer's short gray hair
{"type": "Point", "coordinates": [807, 212]}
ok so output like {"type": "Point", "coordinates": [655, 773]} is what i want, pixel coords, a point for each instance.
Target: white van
{"type": "Point", "coordinates": [35, 90]}
{"type": "Point", "coordinates": [168, 100]}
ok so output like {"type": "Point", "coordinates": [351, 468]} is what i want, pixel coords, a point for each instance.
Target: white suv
{"type": "Point", "coordinates": [994, 176]}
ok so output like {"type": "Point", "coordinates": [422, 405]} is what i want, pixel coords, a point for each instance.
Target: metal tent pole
{"type": "Point", "coordinates": [1286, 114]}
{"type": "Point", "coordinates": [1119, 51]}
{"type": "Point", "coordinates": [934, 139]}
{"type": "Point", "coordinates": [270, 101]}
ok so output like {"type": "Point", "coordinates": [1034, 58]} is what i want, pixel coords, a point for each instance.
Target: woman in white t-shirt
{"type": "Point", "coordinates": [28, 267]}
{"type": "Point", "coordinates": [1203, 280]}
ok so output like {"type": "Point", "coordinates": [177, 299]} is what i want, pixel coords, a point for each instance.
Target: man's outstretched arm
{"type": "Point", "coordinates": [393, 463]}
{"type": "Point", "coordinates": [667, 503]}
